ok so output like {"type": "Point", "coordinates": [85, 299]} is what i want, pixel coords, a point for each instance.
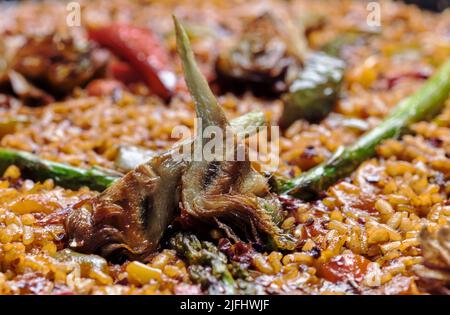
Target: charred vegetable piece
{"type": "Point", "coordinates": [65, 175]}
{"type": "Point", "coordinates": [434, 272]}
{"type": "Point", "coordinates": [143, 51]}
{"type": "Point", "coordinates": [58, 64]}
{"type": "Point", "coordinates": [225, 191]}
{"type": "Point", "coordinates": [28, 93]}
{"type": "Point", "coordinates": [208, 266]}
{"type": "Point", "coordinates": [423, 104]}
{"type": "Point", "coordinates": [131, 216]}
{"type": "Point", "coordinates": [313, 93]}
{"type": "Point", "coordinates": [262, 56]}
{"type": "Point", "coordinates": [201, 255]}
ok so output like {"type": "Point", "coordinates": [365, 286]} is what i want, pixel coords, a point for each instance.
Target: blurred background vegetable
{"type": "Point", "coordinates": [313, 93]}
{"type": "Point", "coordinates": [58, 64]}
{"type": "Point", "coordinates": [209, 267]}
{"type": "Point", "coordinates": [269, 48]}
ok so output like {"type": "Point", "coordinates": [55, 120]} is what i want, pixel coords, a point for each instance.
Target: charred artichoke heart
{"type": "Point", "coordinates": [57, 63]}
{"type": "Point", "coordinates": [209, 267]}
{"type": "Point", "coordinates": [261, 57]}
{"type": "Point", "coordinates": [313, 93]}
{"type": "Point", "coordinates": [225, 191]}
{"type": "Point", "coordinates": [130, 217]}
{"type": "Point", "coordinates": [29, 94]}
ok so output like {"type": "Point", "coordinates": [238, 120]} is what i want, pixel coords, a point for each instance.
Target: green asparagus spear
{"type": "Point", "coordinates": [204, 254]}
{"type": "Point", "coordinates": [129, 157]}
{"type": "Point", "coordinates": [423, 104]}
{"type": "Point", "coordinates": [208, 266]}
{"type": "Point", "coordinates": [65, 175]}
{"type": "Point", "coordinates": [95, 178]}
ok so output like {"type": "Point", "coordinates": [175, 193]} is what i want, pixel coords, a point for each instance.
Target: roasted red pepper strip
{"type": "Point", "coordinates": [123, 72]}
{"type": "Point", "coordinates": [142, 50]}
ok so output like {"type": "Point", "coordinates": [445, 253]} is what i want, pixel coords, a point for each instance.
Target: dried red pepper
{"type": "Point", "coordinates": [142, 50]}
{"type": "Point", "coordinates": [123, 72]}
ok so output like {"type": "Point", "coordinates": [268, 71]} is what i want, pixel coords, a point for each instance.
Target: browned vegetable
{"type": "Point", "coordinates": [434, 272]}
{"type": "Point", "coordinates": [132, 214]}
{"type": "Point", "coordinates": [57, 63]}
{"type": "Point", "coordinates": [226, 192]}
{"type": "Point", "coordinates": [27, 92]}
{"type": "Point", "coordinates": [261, 57]}
{"type": "Point", "coordinates": [130, 217]}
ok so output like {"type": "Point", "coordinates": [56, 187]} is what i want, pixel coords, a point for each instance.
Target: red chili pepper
{"type": "Point", "coordinates": [142, 50]}
{"type": "Point", "coordinates": [123, 72]}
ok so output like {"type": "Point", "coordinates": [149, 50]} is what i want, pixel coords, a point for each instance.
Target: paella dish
{"type": "Point", "coordinates": [224, 147]}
